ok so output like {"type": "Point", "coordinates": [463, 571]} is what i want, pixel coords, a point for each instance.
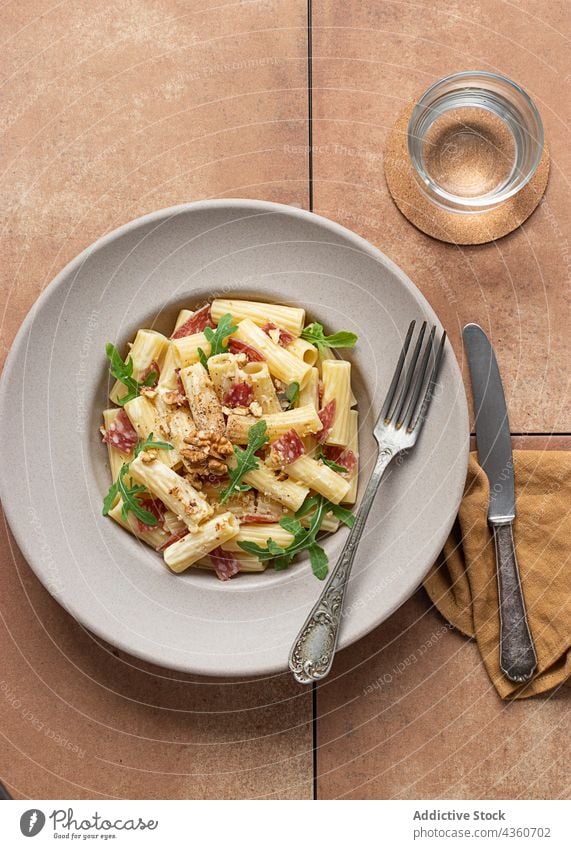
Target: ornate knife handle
{"type": "Point", "coordinates": [313, 651]}
{"type": "Point", "coordinates": [517, 653]}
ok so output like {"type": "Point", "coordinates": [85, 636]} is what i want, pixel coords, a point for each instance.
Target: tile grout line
{"type": "Point", "coordinates": [310, 204]}
{"type": "Point", "coordinates": [310, 102]}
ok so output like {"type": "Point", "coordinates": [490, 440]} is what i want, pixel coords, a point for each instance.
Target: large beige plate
{"type": "Point", "coordinates": [54, 470]}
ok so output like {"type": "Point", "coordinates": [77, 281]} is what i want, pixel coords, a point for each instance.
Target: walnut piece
{"type": "Point", "coordinates": [206, 452]}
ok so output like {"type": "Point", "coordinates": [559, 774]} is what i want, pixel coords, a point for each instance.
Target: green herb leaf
{"type": "Point", "coordinates": [149, 442]}
{"type": "Point", "coordinates": [129, 493]}
{"type": "Point", "coordinates": [314, 333]}
{"type": "Point", "coordinates": [342, 513]}
{"type": "Point", "coordinates": [308, 505]}
{"type": "Point", "coordinates": [304, 539]}
{"type": "Point", "coordinates": [150, 379]}
{"type": "Point", "coordinates": [335, 467]}
{"type": "Point", "coordinates": [110, 498]}
{"type": "Point", "coordinates": [217, 338]}
{"type": "Point", "coordinates": [291, 394]}
{"type": "Point", "coordinates": [123, 372]}
{"type": "Point", "coordinates": [246, 460]}
{"type": "Point", "coordinates": [319, 561]}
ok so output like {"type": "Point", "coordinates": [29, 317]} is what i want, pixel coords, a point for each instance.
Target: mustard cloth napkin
{"type": "Point", "coordinates": [463, 584]}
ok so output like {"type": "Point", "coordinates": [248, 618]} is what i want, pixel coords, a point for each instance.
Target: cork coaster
{"type": "Point", "coordinates": [459, 228]}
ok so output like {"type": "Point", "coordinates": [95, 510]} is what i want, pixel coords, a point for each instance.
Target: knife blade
{"type": "Point", "coordinates": [492, 424]}
{"type": "Point", "coordinates": [518, 659]}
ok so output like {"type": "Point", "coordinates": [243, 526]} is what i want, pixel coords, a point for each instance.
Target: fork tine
{"type": "Point", "coordinates": [419, 381]}
{"type": "Point", "coordinates": [408, 378]}
{"type": "Point", "coordinates": [422, 413]}
{"type": "Point", "coordinates": [396, 377]}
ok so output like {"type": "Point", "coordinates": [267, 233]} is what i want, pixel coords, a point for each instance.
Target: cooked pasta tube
{"type": "Point", "coordinates": [260, 534]}
{"type": "Point", "coordinates": [263, 387]}
{"type": "Point", "coordinates": [194, 546]}
{"type": "Point", "coordinates": [281, 363]}
{"type": "Point", "coordinates": [351, 496]}
{"type": "Point", "coordinates": [287, 492]}
{"type": "Point", "coordinates": [116, 458]}
{"type": "Point", "coordinates": [309, 394]}
{"type": "Point", "coordinates": [181, 318]}
{"type": "Point", "coordinates": [225, 370]}
{"type": "Point", "coordinates": [290, 318]}
{"type": "Point", "coordinates": [153, 536]}
{"type": "Point", "coordinates": [145, 419]}
{"type": "Point", "coordinates": [174, 491]}
{"type": "Point", "coordinates": [149, 347]}
{"type": "Point", "coordinates": [168, 378]}
{"type": "Point", "coordinates": [319, 477]}
{"type": "Point", "coordinates": [323, 356]}
{"type": "Point", "coordinates": [304, 350]}
{"type": "Point", "coordinates": [204, 405]}
{"type": "Point", "coordinates": [186, 349]}
{"type": "Point", "coordinates": [304, 420]}
{"type": "Point", "coordinates": [177, 424]}
{"type": "Point", "coordinates": [337, 387]}
{"type": "Point", "coordinates": [329, 523]}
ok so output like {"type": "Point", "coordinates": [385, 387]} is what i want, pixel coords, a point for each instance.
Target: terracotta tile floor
{"type": "Point", "coordinates": [110, 111]}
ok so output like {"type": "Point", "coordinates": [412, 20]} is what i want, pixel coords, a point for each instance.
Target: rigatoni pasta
{"type": "Point", "coordinates": [290, 318]}
{"type": "Point", "coordinates": [146, 355]}
{"type": "Point", "coordinates": [304, 420]}
{"type": "Point", "coordinates": [336, 376]}
{"type": "Point", "coordinates": [234, 441]}
{"type": "Point", "coordinates": [281, 364]}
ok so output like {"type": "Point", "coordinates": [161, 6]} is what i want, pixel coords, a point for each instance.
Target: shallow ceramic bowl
{"type": "Point", "coordinates": [54, 467]}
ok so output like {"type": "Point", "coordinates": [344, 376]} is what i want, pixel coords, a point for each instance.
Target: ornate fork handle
{"type": "Point", "coordinates": [313, 651]}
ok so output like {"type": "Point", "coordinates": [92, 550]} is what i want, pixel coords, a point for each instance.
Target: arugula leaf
{"type": "Point", "coordinates": [314, 333]}
{"type": "Point", "coordinates": [303, 538]}
{"type": "Point", "coordinates": [129, 492]}
{"type": "Point", "coordinates": [110, 497]}
{"type": "Point", "coordinates": [143, 444]}
{"type": "Point", "coordinates": [246, 460]}
{"type": "Point", "coordinates": [291, 394]}
{"type": "Point", "coordinates": [342, 513]}
{"type": "Point", "coordinates": [308, 505]}
{"type": "Point", "coordinates": [131, 503]}
{"type": "Point", "coordinates": [217, 338]}
{"type": "Point", "coordinates": [312, 502]}
{"type": "Point", "coordinates": [335, 467]}
{"type": "Point", "coordinates": [123, 372]}
{"type": "Point", "coordinates": [319, 561]}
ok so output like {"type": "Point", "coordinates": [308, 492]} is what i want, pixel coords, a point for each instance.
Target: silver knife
{"type": "Point", "coordinates": [517, 653]}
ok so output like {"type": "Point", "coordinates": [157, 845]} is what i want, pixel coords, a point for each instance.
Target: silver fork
{"type": "Point", "coordinates": [398, 426]}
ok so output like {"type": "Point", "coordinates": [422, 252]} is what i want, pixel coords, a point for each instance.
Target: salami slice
{"type": "Point", "coordinates": [287, 449]}
{"type": "Point", "coordinates": [197, 322]}
{"type": "Point", "coordinates": [154, 369]}
{"type": "Point", "coordinates": [284, 337]}
{"type": "Point", "coordinates": [154, 506]}
{"type": "Point", "coordinates": [240, 394]}
{"type": "Point", "coordinates": [224, 564]}
{"type": "Point", "coordinates": [171, 539]}
{"type": "Point", "coordinates": [343, 457]}
{"type": "Point", "coordinates": [237, 347]}
{"type": "Point", "coordinates": [259, 519]}
{"type": "Point", "coordinates": [327, 416]}
{"type": "Point", "coordinates": [121, 434]}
